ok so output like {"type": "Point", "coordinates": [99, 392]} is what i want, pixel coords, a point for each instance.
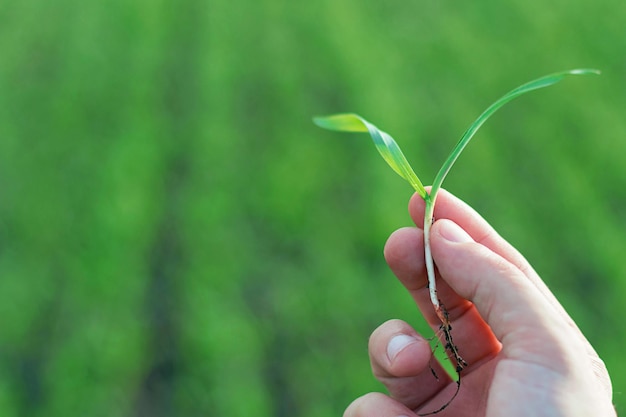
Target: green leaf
{"type": "Point", "coordinates": [342, 122]}
{"type": "Point", "coordinates": [542, 82]}
{"type": "Point", "coordinates": [387, 147]}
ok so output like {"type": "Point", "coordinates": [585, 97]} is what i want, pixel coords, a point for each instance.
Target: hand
{"type": "Point", "coordinates": [526, 356]}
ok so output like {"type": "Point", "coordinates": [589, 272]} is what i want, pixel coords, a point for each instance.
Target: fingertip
{"type": "Point", "coordinates": [375, 404]}
{"type": "Point", "coordinates": [404, 253]}
{"type": "Point", "coordinates": [402, 360]}
{"type": "Point", "coordinates": [447, 206]}
{"type": "Point", "coordinates": [459, 258]}
{"type": "Point", "coordinates": [402, 245]}
{"type": "Point", "coordinates": [408, 355]}
{"type": "Point", "coordinates": [416, 209]}
{"type": "Point", "coordinates": [396, 350]}
{"type": "Point", "coordinates": [451, 232]}
{"type": "Point", "coordinates": [397, 344]}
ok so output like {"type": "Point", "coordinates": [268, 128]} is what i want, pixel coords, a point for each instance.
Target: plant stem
{"type": "Point", "coordinates": [428, 257]}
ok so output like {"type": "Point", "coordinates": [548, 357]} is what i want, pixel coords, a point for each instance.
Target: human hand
{"type": "Point", "coordinates": [526, 356]}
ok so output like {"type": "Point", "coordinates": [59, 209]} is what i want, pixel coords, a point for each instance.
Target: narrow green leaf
{"type": "Point", "coordinates": [386, 146]}
{"type": "Point", "coordinates": [542, 82]}
{"type": "Point", "coordinates": [347, 122]}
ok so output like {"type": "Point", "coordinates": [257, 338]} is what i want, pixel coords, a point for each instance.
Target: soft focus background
{"type": "Point", "coordinates": [178, 239]}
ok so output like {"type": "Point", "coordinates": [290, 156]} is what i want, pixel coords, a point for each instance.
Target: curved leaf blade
{"type": "Point", "coordinates": [345, 122]}
{"type": "Point", "coordinates": [386, 146]}
{"type": "Point", "coordinates": [541, 82]}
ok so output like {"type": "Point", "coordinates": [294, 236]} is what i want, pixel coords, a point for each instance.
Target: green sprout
{"type": "Point", "coordinates": [392, 154]}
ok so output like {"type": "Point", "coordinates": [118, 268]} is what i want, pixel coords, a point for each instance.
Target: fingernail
{"type": "Point", "coordinates": [452, 232]}
{"type": "Point", "coordinates": [397, 344]}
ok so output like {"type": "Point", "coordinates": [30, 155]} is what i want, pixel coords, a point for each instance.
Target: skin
{"type": "Point", "coordinates": [526, 355]}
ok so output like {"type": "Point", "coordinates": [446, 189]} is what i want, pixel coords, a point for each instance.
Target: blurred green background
{"type": "Point", "coordinates": [178, 239]}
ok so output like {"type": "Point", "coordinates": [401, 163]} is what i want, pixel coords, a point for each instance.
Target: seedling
{"type": "Point", "coordinates": [392, 154]}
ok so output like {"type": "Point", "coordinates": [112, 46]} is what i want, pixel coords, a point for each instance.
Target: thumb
{"type": "Point", "coordinates": [520, 317]}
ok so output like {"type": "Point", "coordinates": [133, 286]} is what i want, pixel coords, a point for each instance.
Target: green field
{"type": "Point", "coordinates": [178, 239]}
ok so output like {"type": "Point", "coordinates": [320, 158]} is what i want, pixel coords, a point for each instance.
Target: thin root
{"type": "Point", "coordinates": [453, 351]}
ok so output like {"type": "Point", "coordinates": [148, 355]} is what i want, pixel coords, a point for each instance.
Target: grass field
{"type": "Point", "coordinates": [178, 239]}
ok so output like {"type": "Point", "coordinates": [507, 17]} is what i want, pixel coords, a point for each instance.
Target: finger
{"type": "Point", "coordinates": [399, 358]}
{"type": "Point", "coordinates": [375, 404]}
{"type": "Point", "coordinates": [402, 360]}
{"type": "Point", "coordinates": [450, 207]}
{"type": "Point", "coordinates": [531, 329]}
{"type": "Point", "coordinates": [515, 309]}
{"type": "Point", "coordinates": [404, 253]}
